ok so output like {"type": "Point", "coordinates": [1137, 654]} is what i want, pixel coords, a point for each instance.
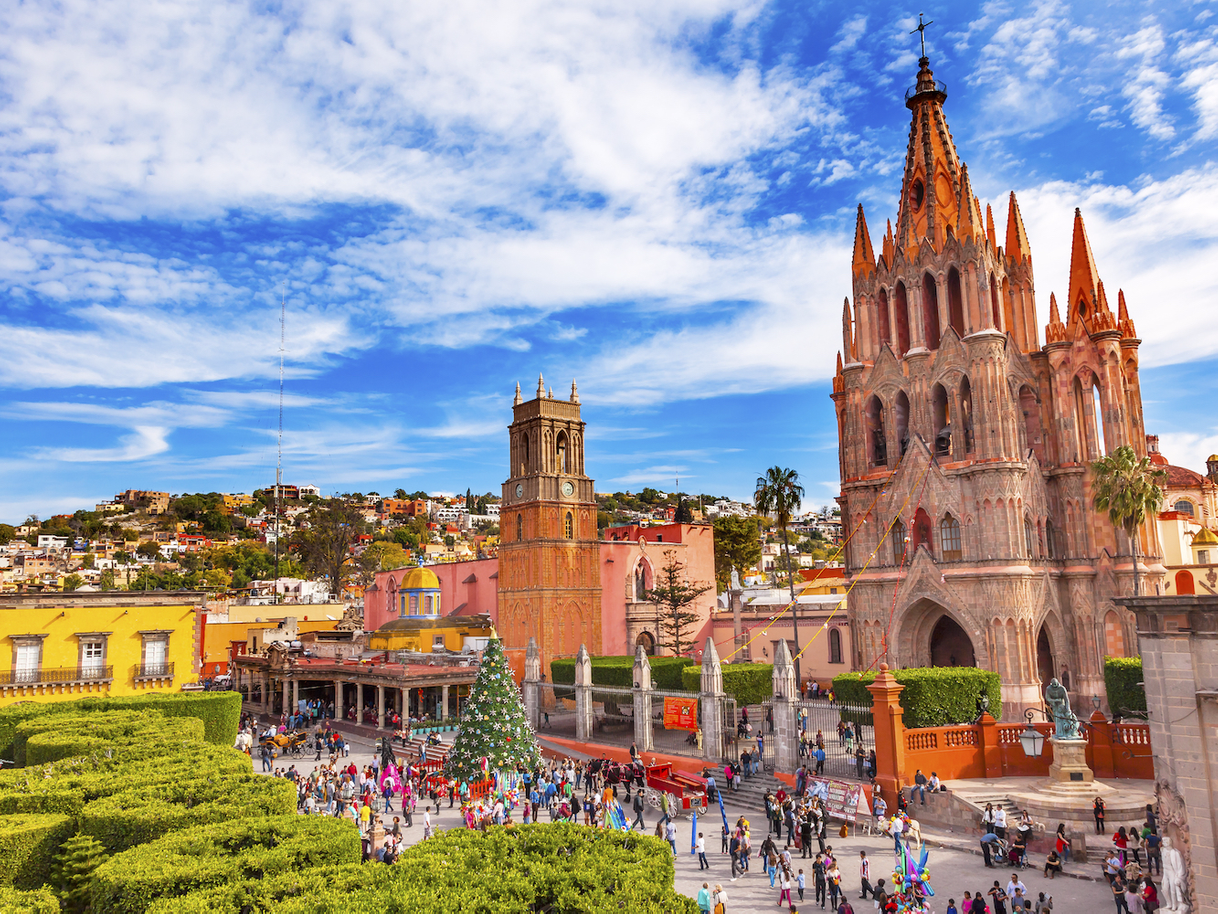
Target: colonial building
{"type": "Point", "coordinates": [965, 442]}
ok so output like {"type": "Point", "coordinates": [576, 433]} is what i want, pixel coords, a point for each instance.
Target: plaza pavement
{"type": "Point", "coordinates": [954, 867]}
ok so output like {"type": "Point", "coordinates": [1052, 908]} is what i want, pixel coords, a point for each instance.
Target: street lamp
{"type": "Point", "coordinates": [1096, 701]}
{"type": "Point", "coordinates": [1032, 740]}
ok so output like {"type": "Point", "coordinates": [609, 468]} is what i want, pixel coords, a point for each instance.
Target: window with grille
{"type": "Point", "coordinates": [92, 657]}
{"type": "Point", "coordinates": [569, 526]}
{"type": "Point", "coordinates": [1184, 506]}
{"type": "Point", "coordinates": [949, 538]}
{"type": "Point", "coordinates": [28, 663]}
{"type": "Point", "coordinates": [156, 657]}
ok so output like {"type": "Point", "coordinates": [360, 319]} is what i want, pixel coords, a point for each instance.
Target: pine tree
{"type": "Point", "coordinates": [493, 724]}
{"type": "Point", "coordinates": [78, 858]}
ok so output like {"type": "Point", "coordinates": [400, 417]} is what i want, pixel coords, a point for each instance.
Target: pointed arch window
{"type": "Point", "coordinates": [901, 309]}
{"type": "Point", "coordinates": [1029, 538]}
{"type": "Point", "coordinates": [882, 323]}
{"type": "Point", "coordinates": [949, 539]}
{"type": "Point", "coordinates": [560, 453]}
{"type": "Point", "coordinates": [930, 311]}
{"type": "Point", "coordinates": [900, 414]}
{"type": "Point", "coordinates": [941, 417]}
{"type": "Point", "coordinates": [897, 535]}
{"type": "Point", "coordinates": [966, 414]}
{"type": "Point", "coordinates": [640, 583]}
{"type": "Point", "coordinates": [568, 526]}
{"type": "Point", "coordinates": [1050, 541]}
{"type": "Point", "coordinates": [877, 443]}
{"type": "Point", "coordinates": [519, 528]}
{"type": "Point", "coordinates": [955, 301]}
{"type": "Point", "coordinates": [835, 646]}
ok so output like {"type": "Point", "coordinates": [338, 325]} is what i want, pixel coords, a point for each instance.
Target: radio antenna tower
{"type": "Point", "coordinates": [283, 307]}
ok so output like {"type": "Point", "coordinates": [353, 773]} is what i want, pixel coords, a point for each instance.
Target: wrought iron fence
{"type": "Point", "coordinates": [154, 671]}
{"type": "Point", "coordinates": [64, 674]}
{"type": "Point", "coordinates": [839, 729]}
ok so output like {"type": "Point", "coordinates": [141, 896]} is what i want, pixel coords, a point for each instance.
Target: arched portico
{"type": "Point", "coordinates": [932, 634]}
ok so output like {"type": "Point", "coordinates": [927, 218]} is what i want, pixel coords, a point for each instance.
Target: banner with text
{"type": "Point", "coordinates": [681, 714]}
{"type": "Point", "coordinates": [840, 798]}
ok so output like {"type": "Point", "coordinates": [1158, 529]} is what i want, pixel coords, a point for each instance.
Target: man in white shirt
{"type": "Point", "coordinates": [1000, 822]}
{"type": "Point", "coordinates": [1015, 884]}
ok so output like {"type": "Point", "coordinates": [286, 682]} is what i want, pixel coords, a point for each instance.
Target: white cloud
{"type": "Point", "coordinates": [144, 442]}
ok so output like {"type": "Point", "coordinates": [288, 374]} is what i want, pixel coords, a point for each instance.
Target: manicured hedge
{"type": "Point", "coordinates": [28, 847]}
{"type": "Point", "coordinates": [38, 901]}
{"type": "Point", "coordinates": [933, 696]}
{"type": "Point", "coordinates": [749, 683]}
{"type": "Point", "coordinates": [612, 670]}
{"type": "Point", "coordinates": [1123, 681]}
{"type": "Point", "coordinates": [148, 812]}
{"type": "Point", "coordinates": [48, 739]}
{"type": "Point", "coordinates": [557, 867]}
{"type": "Point", "coordinates": [224, 854]}
{"type": "Point", "coordinates": [220, 712]}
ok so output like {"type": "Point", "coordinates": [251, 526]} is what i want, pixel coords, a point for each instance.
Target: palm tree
{"type": "Point", "coordinates": [779, 493]}
{"type": "Point", "coordinates": [1128, 488]}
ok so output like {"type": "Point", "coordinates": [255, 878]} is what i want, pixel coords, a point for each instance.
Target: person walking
{"type": "Point", "coordinates": [704, 898]}
{"type": "Point", "coordinates": [1097, 810]}
{"type": "Point", "coordinates": [639, 806]}
{"type": "Point", "coordinates": [785, 884]}
{"type": "Point", "coordinates": [719, 900]}
{"type": "Point", "coordinates": [1000, 898]}
{"type": "Point", "coordinates": [818, 877]}
{"type": "Point", "coordinates": [834, 877]}
{"type": "Point", "coordinates": [700, 847]}
{"type": "Point", "coordinates": [865, 876]}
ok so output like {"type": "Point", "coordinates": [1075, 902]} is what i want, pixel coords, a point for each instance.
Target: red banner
{"type": "Point", "coordinates": [680, 714]}
{"type": "Point", "coordinates": [846, 800]}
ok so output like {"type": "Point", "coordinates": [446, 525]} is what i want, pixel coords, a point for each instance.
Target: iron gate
{"type": "Point", "coordinates": [840, 729]}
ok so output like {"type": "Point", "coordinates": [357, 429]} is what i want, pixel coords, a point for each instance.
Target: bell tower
{"type": "Point", "coordinates": [549, 571]}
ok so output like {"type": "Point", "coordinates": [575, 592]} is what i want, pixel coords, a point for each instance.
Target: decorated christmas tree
{"type": "Point", "coordinates": [495, 734]}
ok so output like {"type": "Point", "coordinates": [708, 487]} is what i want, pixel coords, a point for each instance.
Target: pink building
{"type": "Point", "coordinates": [630, 558]}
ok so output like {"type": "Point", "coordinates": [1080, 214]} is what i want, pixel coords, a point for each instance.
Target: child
{"type": "Point", "coordinates": [701, 846]}
{"type": "Point", "coordinates": [951, 906]}
{"type": "Point", "coordinates": [799, 884]}
{"type": "Point", "coordinates": [723, 849]}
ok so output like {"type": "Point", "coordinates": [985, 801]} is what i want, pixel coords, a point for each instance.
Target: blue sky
{"type": "Point", "coordinates": [655, 198]}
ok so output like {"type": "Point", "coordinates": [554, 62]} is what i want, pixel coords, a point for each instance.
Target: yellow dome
{"type": "Point", "coordinates": [1212, 458]}
{"type": "Point", "coordinates": [420, 578]}
{"type": "Point", "coordinates": [1205, 537]}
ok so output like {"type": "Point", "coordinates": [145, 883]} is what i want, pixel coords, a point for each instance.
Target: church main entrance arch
{"type": "Point", "coordinates": [1044, 658]}
{"type": "Point", "coordinates": [950, 644]}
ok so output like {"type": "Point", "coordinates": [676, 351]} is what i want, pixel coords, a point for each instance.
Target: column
{"type": "Point", "coordinates": [287, 696]}
{"type": "Point", "coordinates": [266, 693]}
{"type": "Point", "coordinates": [338, 699]}
{"type": "Point", "coordinates": [380, 707]}
{"type": "Point", "coordinates": [642, 701]}
{"type": "Point", "coordinates": [785, 735]}
{"type": "Point", "coordinates": [443, 702]}
{"type": "Point", "coordinates": [405, 699]}
{"type": "Point", "coordinates": [889, 734]}
{"type": "Point", "coordinates": [711, 701]}
{"type": "Point", "coordinates": [583, 695]}
{"type": "Point", "coordinates": [295, 693]}
{"type": "Point", "coordinates": [359, 702]}
{"type": "Point", "coordinates": [530, 686]}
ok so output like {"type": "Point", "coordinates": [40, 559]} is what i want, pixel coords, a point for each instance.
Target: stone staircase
{"type": "Point", "coordinates": [751, 795]}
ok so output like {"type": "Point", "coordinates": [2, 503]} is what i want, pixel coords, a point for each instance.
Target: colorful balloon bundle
{"type": "Point", "coordinates": [911, 879]}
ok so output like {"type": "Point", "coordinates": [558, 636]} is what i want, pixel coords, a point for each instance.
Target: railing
{"type": "Point", "coordinates": [154, 671]}
{"type": "Point", "coordinates": [936, 86]}
{"type": "Point", "coordinates": [47, 677]}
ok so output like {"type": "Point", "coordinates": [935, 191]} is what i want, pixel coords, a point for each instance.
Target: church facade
{"type": "Point", "coordinates": [965, 442]}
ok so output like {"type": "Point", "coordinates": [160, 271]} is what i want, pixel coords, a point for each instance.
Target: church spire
{"type": "Point", "coordinates": [1055, 330]}
{"type": "Point", "coordinates": [989, 228]}
{"type": "Point", "coordinates": [929, 204]}
{"type": "Point", "coordinates": [1084, 277]}
{"type": "Point", "coordinates": [541, 387]}
{"type": "Point", "coordinates": [889, 249]}
{"type": "Point", "coordinates": [864, 256]}
{"type": "Point", "coordinates": [848, 346]}
{"type": "Point", "coordinates": [1017, 247]}
{"type": "Point", "coordinates": [574, 392]}
{"type": "Point", "coordinates": [517, 400]}
{"type": "Point", "coordinates": [968, 223]}
{"type": "Point", "coordinates": [1128, 331]}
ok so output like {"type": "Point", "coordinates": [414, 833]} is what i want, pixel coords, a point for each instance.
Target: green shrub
{"type": "Point", "coordinates": [557, 867]}
{"type": "Point", "coordinates": [38, 901]}
{"type": "Point", "coordinates": [932, 697]}
{"type": "Point", "coordinates": [53, 737]}
{"type": "Point", "coordinates": [227, 853]}
{"type": "Point", "coordinates": [615, 670]}
{"type": "Point", "coordinates": [220, 712]}
{"type": "Point", "coordinates": [28, 845]}
{"type": "Point", "coordinates": [1123, 682]}
{"type": "Point", "coordinates": [748, 683]}
{"type": "Point", "coordinates": [148, 812]}
{"type": "Point", "coordinates": [73, 869]}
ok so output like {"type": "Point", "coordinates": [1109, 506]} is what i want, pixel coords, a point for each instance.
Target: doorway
{"type": "Point", "coordinates": [1044, 658]}
{"type": "Point", "coordinates": [950, 645]}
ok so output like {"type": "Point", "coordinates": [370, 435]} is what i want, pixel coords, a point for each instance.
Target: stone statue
{"type": "Point", "coordinates": [1172, 882]}
{"type": "Point", "coordinates": [1058, 699]}
{"type": "Point", "coordinates": [735, 578]}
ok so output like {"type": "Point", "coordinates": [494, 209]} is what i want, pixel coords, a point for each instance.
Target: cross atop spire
{"type": "Point", "coordinates": [921, 30]}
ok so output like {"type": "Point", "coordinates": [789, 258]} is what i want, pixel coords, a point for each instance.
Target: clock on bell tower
{"type": "Point", "coordinates": [549, 554]}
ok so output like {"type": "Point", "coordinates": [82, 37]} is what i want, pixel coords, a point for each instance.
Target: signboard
{"type": "Point", "coordinates": [681, 714]}
{"type": "Point", "coordinates": [840, 798]}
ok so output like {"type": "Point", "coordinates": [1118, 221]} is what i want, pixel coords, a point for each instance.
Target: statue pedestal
{"type": "Point", "coordinates": [1068, 771]}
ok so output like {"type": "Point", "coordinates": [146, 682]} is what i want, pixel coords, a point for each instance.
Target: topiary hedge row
{"type": "Point", "coordinates": [932, 697]}
{"type": "Point", "coordinates": [558, 867]}
{"type": "Point", "coordinates": [220, 712]}
{"type": "Point", "coordinates": [749, 683]}
{"type": "Point", "coordinates": [38, 901]}
{"type": "Point", "coordinates": [53, 737]}
{"type": "Point", "coordinates": [613, 670]}
{"type": "Point", "coordinates": [225, 854]}
{"type": "Point", "coordinates": [1124, 684]}
{"type": "Point", "coordinates": [148, 812]}
{"type": "Point", "coordinates": [28, 846]}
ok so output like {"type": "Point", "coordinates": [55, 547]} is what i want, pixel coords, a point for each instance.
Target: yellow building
{"type": "Point", "coordinates": [65, 646]}
{"type": "Point", "coordinates": [426, 634]}
{"type": "Point", "coordinates": [224, 640]}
